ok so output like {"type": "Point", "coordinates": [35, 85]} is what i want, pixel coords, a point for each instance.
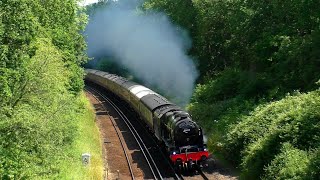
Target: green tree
{"type": "Point", "coordinates": [21, 23]}
{"type": "Point", "coordinates": [41, 50]}
{"type": "Point", "coordinates": [250, 54]}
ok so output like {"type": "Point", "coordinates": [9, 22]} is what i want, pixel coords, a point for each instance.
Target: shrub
{"type": "Point", "coordinates": [290, 163]}
{"type": "Point", "coordinates": [314, 165]}
{"type": "Point", "coordinates": [257, 138]}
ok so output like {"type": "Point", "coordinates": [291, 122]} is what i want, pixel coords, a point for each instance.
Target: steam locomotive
{"type": "Point", "coordinates": [171, 125]}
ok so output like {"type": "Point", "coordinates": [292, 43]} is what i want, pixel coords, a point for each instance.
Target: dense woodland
{"type": "Point", "coordinates": [258, 95]}
{"type": "Point", "coordinates": [41, 51]}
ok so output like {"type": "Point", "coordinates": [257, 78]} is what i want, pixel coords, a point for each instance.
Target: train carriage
{"type": "Point", "coordinates": [171, 125]}
{"type": "Point", "coordinates": [126, 92]}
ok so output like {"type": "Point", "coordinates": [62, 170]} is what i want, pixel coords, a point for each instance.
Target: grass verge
{"type": "Point", "coordinates": [87, 141]}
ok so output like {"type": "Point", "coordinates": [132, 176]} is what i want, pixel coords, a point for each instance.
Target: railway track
{"type": "Point", "coordinates": [157, 154]}
{"type": "Point", "coordinates": [118, 135]}
{"type": "Point", "coordinates": [155, 158]}
{"type": "Point", "coordinates": [145, 151]}
{"type": "Point", "coordinates": [156, 148]}
{"type": "Point", "coordinates": [203, 175]}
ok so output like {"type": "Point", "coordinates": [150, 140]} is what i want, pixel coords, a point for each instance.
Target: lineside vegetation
{"type": "Point", "coordinates": [257, 95]}
{"type": "Point", "coordinates": [41, 110]}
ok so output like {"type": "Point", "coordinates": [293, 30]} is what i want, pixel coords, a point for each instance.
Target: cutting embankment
{"type": "Point", "coordinates": [278, 139]}
{"type": "Point", "coordinates": [45, 122]}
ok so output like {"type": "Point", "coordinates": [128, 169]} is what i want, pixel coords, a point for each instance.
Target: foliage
{"type": "Point", "coordinates": [41, 124]}
{"type": "Point", "coordinates": [109, 65]}
{"type": "Point", "coordinates": [290, 163]}
{"type": "Point", "coordinates": [23, 22]}
{"type": "Point", "coordinates": [94, 7]}
{"type": "Point", "coordinates": [176, 10]}
{"type": "Point", "coordinates": [41, 50]}
{"type": "Point", "coordinates": [255, 139]}
{"type": "Point", "coordinates": [256, 37]}
{"type": "Point", "coordinates": [314, 166]}
{"type": "Point", "coordinates": [87, 140]}
{"type": "Point", "coordinates": [251, 54]}
{"type": "Point", "coordinates": [258, 137]}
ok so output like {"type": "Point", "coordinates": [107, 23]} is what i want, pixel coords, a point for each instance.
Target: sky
{"type": "Point", "coordinates": [86, 2]}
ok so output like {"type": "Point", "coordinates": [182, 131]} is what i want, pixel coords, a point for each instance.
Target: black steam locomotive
{"type": "Point", "coordinates": [170, 124]}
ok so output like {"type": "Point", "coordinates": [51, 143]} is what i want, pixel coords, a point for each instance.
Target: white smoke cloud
{"type": "Point", "coordinates": [147, 44]}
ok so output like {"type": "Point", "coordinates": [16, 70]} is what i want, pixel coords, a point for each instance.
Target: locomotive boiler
{"type": "Point", "coordinates": [172, 126]}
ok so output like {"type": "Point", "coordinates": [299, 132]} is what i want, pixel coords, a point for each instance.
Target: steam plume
{"type": "Point", "coordinates": [147, 44]}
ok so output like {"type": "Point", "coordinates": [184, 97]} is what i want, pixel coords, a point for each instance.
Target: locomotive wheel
{"type": "Point", "coordinates": [191, 165]}
{"type": "Point", "coordinates": [178, 166]}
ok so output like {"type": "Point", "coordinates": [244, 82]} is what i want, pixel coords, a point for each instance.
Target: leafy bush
{"type": "Point", "coordinates": [253, 136]}
{"type": "Point", "coordinates": [290, 163]}
{"type": "Point", "coordinates": [314, 165]}
{"type": "Point", "coordinates": [216, 118]}
{"type": "Point", "coordinates": [37, 136]}
{"type": "Point", "coordinates": [41, 124]}
{"type": "Point", "coordinates": [259, 136]}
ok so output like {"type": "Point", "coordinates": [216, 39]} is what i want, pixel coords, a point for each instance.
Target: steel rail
{"type": "Point", "coordinates": [203, 175]}
{"type": "Point", "coordinates": [118, 134]}
{"type": "Point", "coordinates": [135, 134]}
{"type": "Point", "coordinates": [177, 176]}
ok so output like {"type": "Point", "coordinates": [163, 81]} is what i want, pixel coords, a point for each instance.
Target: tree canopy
{"type": "Point", "coordinates": [259, 65]}
{"type": "Point", "coordinates": [41, 51]}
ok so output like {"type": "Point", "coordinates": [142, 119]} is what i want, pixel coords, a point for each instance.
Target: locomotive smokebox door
{"type": "Point", "coordinates": [86, 159]}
